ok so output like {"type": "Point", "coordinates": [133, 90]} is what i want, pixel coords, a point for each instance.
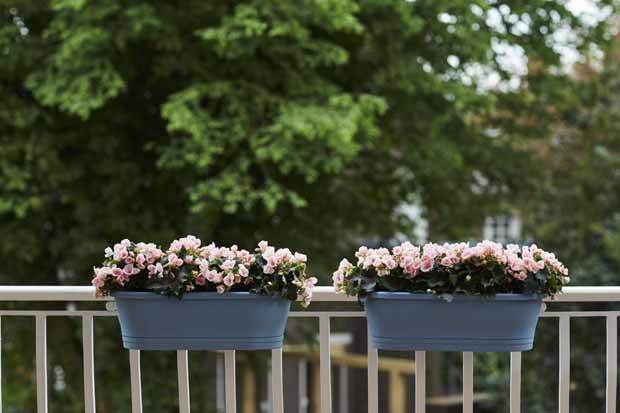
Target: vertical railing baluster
{"type": "Point", "coordinates": [302, 367]}
{"type": "Point", "coordinates": [468, 382]}
{"type": "Point", "coordinates": [515, 382]}
{"type": "Point", "coordinates": [183, 379]}
{"type": "Point", "coordinates": [136, 381]}
{"type": "Point", "coordinates": [230, 384]}
{"type": "Point", "coordinates": [325, 365]}
{"type": "Point", "coordinates": [564, 374]}
{"type": "Point", "coordinates": [88, 354]}
{"type": "Point", "coordinates": [41, 362]}
{"type": "Point", "coordinates": [0, 364]}
{"type": "Point", "coordinates": [612, 364]}
{"type": "Point", "coordinates": [420, 381]}
{"type": "Point", "coordinates": [343, 385]}
{"type": "Point", "coordinates": [373, 378]}
{"type": "Point", "coordinates": [220, 378]}
{"type": "Point", "coordinates": [277, 384]}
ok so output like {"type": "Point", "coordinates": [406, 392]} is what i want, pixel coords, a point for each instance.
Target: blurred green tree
{"type": "Point", "coordinates": [574, 210]}
{"type": "Point", "coordinates": [310, 123]}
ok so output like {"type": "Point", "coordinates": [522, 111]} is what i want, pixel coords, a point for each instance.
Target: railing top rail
{"type": "Point", "coordinates": [321, 293]}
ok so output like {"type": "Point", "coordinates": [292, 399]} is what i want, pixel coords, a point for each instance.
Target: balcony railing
{"type": "Point", "coordinates": [322, 294]}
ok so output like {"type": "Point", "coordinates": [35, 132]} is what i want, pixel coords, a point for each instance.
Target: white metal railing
{"type": "Point", "coordinates": [322, 294]}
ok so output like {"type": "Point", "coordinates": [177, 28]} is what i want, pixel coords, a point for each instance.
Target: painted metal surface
{"type": "Point", "coordinates": [373, 378]}
{"type": "Point", "coordinates": [245, 321]}
{"type": "Point", "coordinates": [325, 363]}
{"type": "Point", "coordinates": [277, 384]}
{"type": "Point", "coordinates": [88, 354]}
{"type": "Point", "coordinates": [41, 362]}
{"type": "Point", "coordinates": [515, 382]}
{"type": "Point", "coordinates": [136, 381]}
{"type": "Point", "coordinates": [564, 371]}
{"type": "Point", "coordinates": [468, 382]}
{"type": "Point", "coordinates": [321, 293]}
{"type": "Point", "coordinates": [612, 364]}
{"type": "Point", "coordinates": [506, 322]}
{"type": "Point", "coordinates": [230, 381]}
{"type": "Point", "coordinates": [183, 380]}
{"type": "Point", "coordinates": [420, 382]}
{"type": "Point", "coordinates": [572, 294]}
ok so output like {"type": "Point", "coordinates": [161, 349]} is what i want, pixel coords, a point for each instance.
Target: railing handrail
{"type": "Point", "coordinates": [321, 293]}
{"type": "Point", "coordinates": [324, 377]}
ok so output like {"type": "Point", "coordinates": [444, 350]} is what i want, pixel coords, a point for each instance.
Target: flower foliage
{"type": "Point", "coordinates": [486, 269]}
{"type": "Point", "coordinates": [188, 266]}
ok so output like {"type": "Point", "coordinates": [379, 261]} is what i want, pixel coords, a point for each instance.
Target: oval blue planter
{"type": "Point", "coordinates": [417, 321]}
{"type": "Point", "coordinates": [201, 321]}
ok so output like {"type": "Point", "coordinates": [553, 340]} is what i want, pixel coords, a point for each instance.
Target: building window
{"type": "Point", "coordinates": [502, 228]}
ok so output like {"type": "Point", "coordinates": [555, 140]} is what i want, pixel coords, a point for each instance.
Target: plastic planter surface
{"type": "Point", "coordinates": [409, 321]}
{"type": "Point", "coordinates": [201, 321]}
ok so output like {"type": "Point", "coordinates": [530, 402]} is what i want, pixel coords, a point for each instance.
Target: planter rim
{"type": "Point", "coordinates": [402, 295]}
{"type": "Point", "coordinates": [200, 295]}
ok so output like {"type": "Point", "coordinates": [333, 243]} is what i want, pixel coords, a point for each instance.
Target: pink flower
{"type": "Point", "coordinates": [174, 261]}
{"type": "Point", "coordinates": [446, 261]}
{"type": "Point", "coordinates": [156, 270]}
{"type": "Point", "coordinates": [361, 252]}
{"type": "Point", "coordinates": [117, 272]}
{"type": "Point", "coordinates": [140, 259]}
{"type": "Point", "coordinates": [338, 278]}
{"type": "Point", "coordinates": [530, 264]}
{"type": "Point", "coordinates": [120, 255]}
{"type": "Point", "coordinates": [268, 269]}
{"type": "Point", "coordinates": [200, 280]}
{"type": "Point", "coordinates": [262, 246]}
{"type": "Point", "coordinates": [227, 265]}
{"type": "Point", "coordinates": [427, 264]}
{"type": "Point", "coordinates": [431, 250]}
{"type": "Point", "coordinates": [229, 280]}
{"type": "Point", "coordinates": [521, 276]}
{"type": "Point", "coordinates": [175, 246]}
{"type": "Point", "coordinates": [98, 282]}
{"type": "Point", "coordinates": [243, 271]}
{"type": "Point", "coordinates": [190, 242]}
{"type": "Point", "coordinates": [411, 270]}
{"type": "Point", "coordinates": [214, 276]}
{"type": "Point", "coordinates": [129, 269]}
{"type": "Point", "coordinates": [273, 260]}
{"type": "Point", "coordinates": [221, 289]}
{"type": "Point", "coordinates": [300, 257]}
{"type": "Point", "coordinates": [469, 253]}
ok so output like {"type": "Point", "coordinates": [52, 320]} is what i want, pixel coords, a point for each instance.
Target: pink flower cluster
{"type": "Point", "coordinates": [276, 258]}
{"type": "Point", "coordinates": [221, 266]}
{"type": "Point", "coordinates": [279, 261]}
{"type": "Point", "coordinates": [517, 262]}
{"type": "Point", "coordinates": [344, 269]}
{"type": "Point", "coordinates": [126, 260]}
{"type": "Point", "coordinates": [187, 265]}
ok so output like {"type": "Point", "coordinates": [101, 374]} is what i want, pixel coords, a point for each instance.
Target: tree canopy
{"type": "Point", "coordinates": [310, 123]}
{"type": "Point", "coordinates": [243, 120]}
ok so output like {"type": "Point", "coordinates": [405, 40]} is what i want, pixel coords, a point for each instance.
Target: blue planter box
{"type": "Point", "coordinates": [406, 321]}
{"type": "Point", "coordinates": [201, 321]}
